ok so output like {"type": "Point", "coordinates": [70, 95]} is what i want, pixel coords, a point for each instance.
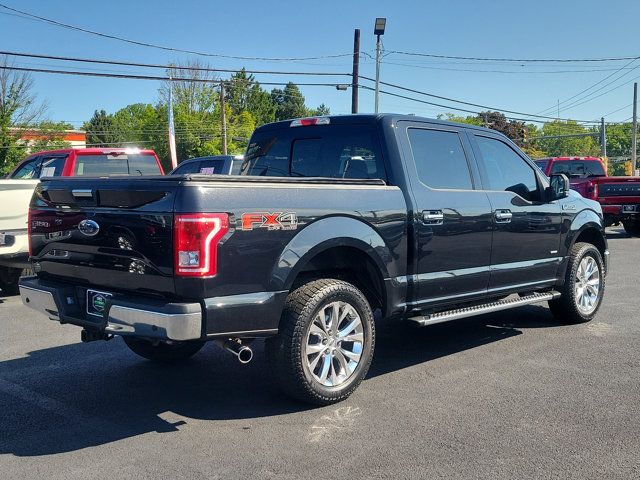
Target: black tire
{"type": "Point", "coordinates": [566, 308]}
{"type": "Point", "coordinates": [9, 280]}
{"type": "Point", "coordinates": [163, 352]}
{"type": "Point", "coordinates": [632, 227]}
{"type": "Point", "coordinates": [287, 354]}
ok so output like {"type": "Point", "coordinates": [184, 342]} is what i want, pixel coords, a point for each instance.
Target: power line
{"type": "Point", "coordinates": [617, 110]}
{"type": "Point", "coordinates": [592, 86]}
{"type": "Point", "coordinates": [149, 77]}
{"type": "Point", "coordinates": [533, 60]}
{"type": "Point", "coordinates": [400, 87]}
{"type": "Point", "coordinates": [164, 67]}
{"type": "Point", "coordinates": [163, 47]}
{"type": "Point", "coordinates": [582, 101]}
{"type": "Point", "coordinates": [520, 72]}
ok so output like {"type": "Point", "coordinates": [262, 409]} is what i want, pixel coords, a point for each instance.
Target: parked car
{"type": "Point", "coordinates": [333, 218]}
{"type": "Point", "coordinates": [619, 196]}
{"type": "Point", "coordinates": [17, 189]}
{"type": "Point", "coordinates": [213, 165]}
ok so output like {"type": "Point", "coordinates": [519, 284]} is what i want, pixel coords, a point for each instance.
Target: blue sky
{"type": "Point", "coordinates": [542, 29]}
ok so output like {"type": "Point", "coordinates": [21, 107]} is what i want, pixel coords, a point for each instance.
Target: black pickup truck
{"type": "Point", "coordinates": [330, 220]}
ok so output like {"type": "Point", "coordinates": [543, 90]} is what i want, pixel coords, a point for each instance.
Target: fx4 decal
{"type": "Point", "coordinates": [270, 221]}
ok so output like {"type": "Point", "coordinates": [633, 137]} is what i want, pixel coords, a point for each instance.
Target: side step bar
{"type": "Point", "coordinates": [448, 315]}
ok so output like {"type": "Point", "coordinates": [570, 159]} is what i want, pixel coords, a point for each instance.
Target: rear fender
{"type": "Point", "coordinates": [328, 233]}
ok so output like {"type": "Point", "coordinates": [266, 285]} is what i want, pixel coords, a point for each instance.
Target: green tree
{"type": "Point", "coordinates": [619, 140]}
{"type": "Point", "coordinates": [567, 146]}
{"type": "Point", "coordinates": [195, 89]}
{"type": "Point", "coordinates": [19, 111]}
{"type": "Point", "coordinates": [101, 130]}
{"type": "Point", "coordinates": [321, 110]}
{"type": "Point", "coordinates": [244, 94]}
{"type": "Point", "coordinates": [289, 102]}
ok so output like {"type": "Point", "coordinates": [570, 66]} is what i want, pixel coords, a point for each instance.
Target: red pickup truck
{"type": "Point", "coordinates": [619, 196]}
{"type": "Point", "coordinates": [16, 191]}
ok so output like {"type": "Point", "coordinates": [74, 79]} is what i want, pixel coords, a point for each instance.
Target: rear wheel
{"type": "Point", "coordinates": [632, 227]}
{"type": "Point", "coordinates": [583, 289]}
{"type": "Point", "coordinates": [325, 344]}
{"type": "Point", "coordinates": [9, 279]}
{"type": "Point", "coordinates": [163, 352]}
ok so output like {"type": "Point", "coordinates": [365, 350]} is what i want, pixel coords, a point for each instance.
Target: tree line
{"type": "Point", "coordinates": [197, 120]}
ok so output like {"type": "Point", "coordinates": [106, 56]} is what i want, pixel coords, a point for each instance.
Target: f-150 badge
{"type": "Point", "coordinates": [270, 221]}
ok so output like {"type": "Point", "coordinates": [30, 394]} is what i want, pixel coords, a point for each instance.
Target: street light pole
{"type": "Point", "coordinates": [378, 31]}
{"type": "Point", "coordinates": [377, 73]}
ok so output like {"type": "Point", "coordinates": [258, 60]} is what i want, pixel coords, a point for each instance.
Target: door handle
{"type": "Point", "coordinates": [432, 217]}
{"type": "Point", "coordinates": [503, 216]}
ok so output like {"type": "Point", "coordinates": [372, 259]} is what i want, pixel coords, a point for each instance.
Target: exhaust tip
{"type": "Point", "coordinates": [245, 355]}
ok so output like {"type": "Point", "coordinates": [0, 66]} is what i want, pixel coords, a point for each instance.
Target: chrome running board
{"type": "Point", "coordinates": [448, 315]}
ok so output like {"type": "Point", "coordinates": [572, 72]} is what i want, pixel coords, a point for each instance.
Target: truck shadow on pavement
{"type": "Point", "coordinates": [75, 396]}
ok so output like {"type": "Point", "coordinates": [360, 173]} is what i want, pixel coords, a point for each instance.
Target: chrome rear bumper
{"type": "Point", "coordinates": [123, 316]}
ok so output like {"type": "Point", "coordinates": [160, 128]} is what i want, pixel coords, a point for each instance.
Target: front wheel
{"type": "Point", "coordinates": [325, 343]}
{"type": "Point", "coordinates": [583, 289]}
{"type": "Point", "coordinates": [632, 227]}
{"type": "Point", "coordinates": [163, 352]}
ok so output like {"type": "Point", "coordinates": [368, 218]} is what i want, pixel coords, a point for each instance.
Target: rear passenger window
{"type": "Point", "coordinates": [189, 167]}
{"type": "Point", "coordinates": [340, 151]}
{"type": "Point", "coordinates": [212, 166]}
{"type": "Point", "coordinates": [440, 159]}
{"type": "Point", "coordinates": [52, 166]}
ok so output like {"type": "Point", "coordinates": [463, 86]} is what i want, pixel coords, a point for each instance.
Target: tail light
{"type": "Point", "coordinates": [29, 233]}
{"type": "Point", "coordinates": [591, 190]}
{"type": "Point", "coordinates": [196, 238]}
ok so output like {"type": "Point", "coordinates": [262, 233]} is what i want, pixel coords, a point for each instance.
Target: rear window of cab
{"type": "Point", "coordinates": [108, 165]}
{"type": "Point", "coordinates": [335, 151]}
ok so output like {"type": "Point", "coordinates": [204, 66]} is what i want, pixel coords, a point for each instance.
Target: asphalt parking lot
{"type": "Point", "coordinates": [508, 395]}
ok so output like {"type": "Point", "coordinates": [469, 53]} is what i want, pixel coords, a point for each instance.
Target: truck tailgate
{"type": "Point", "coordinates": [111, 234]}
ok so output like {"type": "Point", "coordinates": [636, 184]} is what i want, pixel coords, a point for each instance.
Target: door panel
{"type": "Point", "coordinates": [452, 221]}
{"type": "Point", "coordinates": [526, 236]}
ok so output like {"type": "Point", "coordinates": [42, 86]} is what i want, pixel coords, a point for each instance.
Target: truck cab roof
{"type": "Point", "coordinates": [372, 118]}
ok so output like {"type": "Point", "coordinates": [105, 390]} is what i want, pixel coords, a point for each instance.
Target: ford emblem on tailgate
{"type": "Point", "coordinates": [88, 228]}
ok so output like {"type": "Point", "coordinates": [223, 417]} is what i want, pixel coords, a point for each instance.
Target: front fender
{"type": "Point", "coordinates": [327, 233]}
{"type": "Point", "coordinates": [582, 221]}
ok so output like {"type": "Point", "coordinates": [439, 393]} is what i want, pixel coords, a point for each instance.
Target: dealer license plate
{"type": "Point", "coordinates": [97, 302]}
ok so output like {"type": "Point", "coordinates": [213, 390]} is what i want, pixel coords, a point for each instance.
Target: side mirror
{"type": "Point", "coordinates": [559, 187]}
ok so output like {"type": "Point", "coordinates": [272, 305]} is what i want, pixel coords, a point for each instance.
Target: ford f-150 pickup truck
{"type": "Point", "coordinates": [619, 196]}
{"type": "Point", "coordinates": [17, 189]}
{"type": "Point", "coordinates": [330, 220]}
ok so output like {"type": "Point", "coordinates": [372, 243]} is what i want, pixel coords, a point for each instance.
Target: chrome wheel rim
{"type": "Point", "coordinates": [587, 285]}
{"type": "Point", "coordinates": [334, 344]}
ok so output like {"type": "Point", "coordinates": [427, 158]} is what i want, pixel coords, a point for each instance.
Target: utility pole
{"type": "Point", "coordinates": [378, 31]}
{"type": "Point", "coordinates": [558, 110]}
{"type": "Point", "coordinates": [634, 134]}
{"type": "Point", "coordinates": [356, 71]}
{"type": "Point", "coordinates": [603, 138]}
{"type": "Point", "coordinates": [223, 119]}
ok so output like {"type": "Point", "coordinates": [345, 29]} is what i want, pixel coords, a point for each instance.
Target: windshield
{"type": "Point", "coordinates": [116, 164]}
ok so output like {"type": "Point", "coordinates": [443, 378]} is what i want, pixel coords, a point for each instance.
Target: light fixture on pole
{"type": "Point", "coordinates": [378, 31]}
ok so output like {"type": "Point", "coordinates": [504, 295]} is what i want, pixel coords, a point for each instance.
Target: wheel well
{"type": "Point", "coordinates": [351, 265]}
{"type": "Point", "coordinates": [594, 237]}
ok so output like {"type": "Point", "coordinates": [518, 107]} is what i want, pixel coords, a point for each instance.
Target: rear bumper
{"type": "Point", "coordinates": [14, 250]}
{"type": "Point", "coordinates": [620, 210]}
{"type": "Point", "coordinates": [138, 317]}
